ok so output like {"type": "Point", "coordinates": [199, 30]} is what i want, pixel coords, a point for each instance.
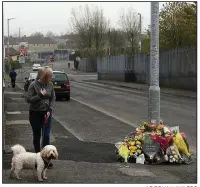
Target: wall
{"type": "Point", "coordinates": [14, 58]}
{"type": "Point", "coordinates": [111, 68]}
{"type": "Point", "coordinates": [88, 65]}
{"type": "Point", "coordinates": [61, 54]}
{"type": "Point", "coordinates": [178, 68]}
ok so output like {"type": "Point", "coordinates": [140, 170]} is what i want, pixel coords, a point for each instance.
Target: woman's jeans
{"type": "Point", "coordinates": [36, 119]}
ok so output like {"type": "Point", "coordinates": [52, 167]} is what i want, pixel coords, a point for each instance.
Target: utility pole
{"type": "Point", "coordinates": [154, 89]}
{"type": "Point", "coordinates": [8, 44]}
{"type": "Point", "coordinates": [109, 50]}
{"type": "Point", "coordinates": [140, 30]}
{"type": "Point", "coordinates": [109, 42]}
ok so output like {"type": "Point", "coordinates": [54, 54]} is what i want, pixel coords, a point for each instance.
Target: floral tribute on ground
{"type": "Point", "coordinates": [154, 144]}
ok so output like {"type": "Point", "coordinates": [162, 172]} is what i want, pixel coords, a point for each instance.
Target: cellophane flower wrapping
{"type": "Point", "coordinates": [163, 141]}
{"type": "Point", "coordinates": [170, 141]}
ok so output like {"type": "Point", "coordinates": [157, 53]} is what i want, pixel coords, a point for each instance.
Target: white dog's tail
{"type": "Point", "coordinates": [16, 149]}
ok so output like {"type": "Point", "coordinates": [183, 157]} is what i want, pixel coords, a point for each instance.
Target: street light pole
{"type": "Point", "coordinates": [109, 50]}
{"type": "Point", "coordinates": [8, 45]}
{"type": "Point", "coordinates": [154, 89]}
{"type": "Point", "coordinates": [140, 30]}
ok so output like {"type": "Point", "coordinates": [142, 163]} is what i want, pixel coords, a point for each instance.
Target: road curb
{"type": "Point", "coordinates": [140, 89]}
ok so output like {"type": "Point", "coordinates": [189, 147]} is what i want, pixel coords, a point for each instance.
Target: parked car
{"type": "Point", "coordinates": [31, 78]}
{"type": "Point", "coordinates": [61, 85]}
{"type": "Point", "coordinates": [36, 67]}
{"type": "Point", "coordinates": [51, 59]}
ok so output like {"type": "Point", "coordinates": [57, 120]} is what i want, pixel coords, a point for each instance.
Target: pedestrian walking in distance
{"type": "Point", "coordinates": [13, 76]}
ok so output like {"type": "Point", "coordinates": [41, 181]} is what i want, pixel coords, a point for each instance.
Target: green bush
{"type": "Point", "coordinates": [15, 65]}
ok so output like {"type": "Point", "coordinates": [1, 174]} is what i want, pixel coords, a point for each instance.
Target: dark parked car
{"type": "Point", "coordinates": [61, 85]}
{"type": "Point", "coordinates": [31, 78]}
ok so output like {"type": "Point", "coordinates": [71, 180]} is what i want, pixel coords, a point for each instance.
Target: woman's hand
{"type": "Point", "coordinates": [43, 92]}
{"type": "Point", "coordinates": [48, 114]}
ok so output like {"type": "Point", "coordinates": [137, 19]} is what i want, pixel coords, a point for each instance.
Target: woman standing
{"type": "Point", "coordinates": [41, 97]}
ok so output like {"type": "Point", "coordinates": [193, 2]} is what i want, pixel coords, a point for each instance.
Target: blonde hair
{"type": "Point", "coordinates": [40, 72]}
{"type": "Point", "coordinates": [44, 74]}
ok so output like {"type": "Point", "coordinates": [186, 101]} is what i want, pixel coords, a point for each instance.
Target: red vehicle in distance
{"type": "Point", "coordinates": [52, 59]}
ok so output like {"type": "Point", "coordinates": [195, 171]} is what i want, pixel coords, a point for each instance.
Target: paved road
{"type": "Point", "coordinates": [86, 128]}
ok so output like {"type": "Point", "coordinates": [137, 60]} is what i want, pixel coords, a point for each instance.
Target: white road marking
{"type": "Point", "coordinates": [66, 126]}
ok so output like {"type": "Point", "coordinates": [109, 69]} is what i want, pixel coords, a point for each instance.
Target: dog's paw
{"type": "Point", "coordinates": [45, 177]}
{"type": "Point", "coordinates": [40, 180]}
{"type": "Point", "coordinates": [19, 178]}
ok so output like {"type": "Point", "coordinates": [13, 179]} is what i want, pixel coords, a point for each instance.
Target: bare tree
{"type": "Point", "coordinates": [100, 28]}
{"type": "Point", "coordinates": [82, 25]}
{"type": "Point", "coordinates": [116, 41]}
{"type": "Point", "coordinates": [50, 34]}
{"type": "Point", "coordinates": [90, 25]}
{"type": "Point", "coordinates": [37, 34]}
{"type": "Point", "coordinates": [15, 35]}
{"type": "Point", "coordinates": [129, 22]}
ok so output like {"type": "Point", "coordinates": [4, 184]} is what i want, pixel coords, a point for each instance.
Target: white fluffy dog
{"type": "Point", "coordinates": [27, 160]}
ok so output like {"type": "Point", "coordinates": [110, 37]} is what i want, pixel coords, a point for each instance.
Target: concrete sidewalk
{"type": "Point", "coordinates": [145, 87]}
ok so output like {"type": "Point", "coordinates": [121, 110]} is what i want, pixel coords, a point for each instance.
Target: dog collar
{"type": "Point", "coordinates": [46, 163]}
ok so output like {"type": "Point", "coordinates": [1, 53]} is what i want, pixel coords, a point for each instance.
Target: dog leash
{"type": "Point", "coordinates": [44, 124]}
{"type": "Point", "coordinates": [46, 163]}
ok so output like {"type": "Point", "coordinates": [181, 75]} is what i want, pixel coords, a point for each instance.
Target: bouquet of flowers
{"type": "Point", "coordinates": [172, 143]}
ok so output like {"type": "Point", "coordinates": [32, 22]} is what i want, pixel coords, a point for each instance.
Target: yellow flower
{"type": "Point", "coordinates": [124, 152]}
{"type": "Point", "coordinates": [181, 145]}
{"type": "Point", "coordinates": [132, 142]}
{"type": "Point", "coordinates": [138, 143]}
{"type": "Point", "coordinates": [176, 156]}
{"type": "Point", "coordinates": [132, 148]}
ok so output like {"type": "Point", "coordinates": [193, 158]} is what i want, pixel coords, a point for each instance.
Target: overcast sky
{"type": "Point", "coordinates": [55, 16]}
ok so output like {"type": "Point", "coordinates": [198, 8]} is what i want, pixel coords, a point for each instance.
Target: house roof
{"type": "Point", "coordinates": [12, 52]}
{"type": "Point", "coordinates": [30, 40]}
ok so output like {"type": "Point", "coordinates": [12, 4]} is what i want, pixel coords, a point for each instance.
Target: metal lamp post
{"type": "Point", "coordinates": [154, 89]}
{"type": "Point", "coordinates": [140, 30]}
{"type": "Point", "coordinates": [8, 45]}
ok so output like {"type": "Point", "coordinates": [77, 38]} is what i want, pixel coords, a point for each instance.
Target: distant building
{"type": "Point", "coordinates": [32, 43]}
{"type": "Point", "coordinates": [14, 54]}
{"type": "Point", "coordinates": [71, 41]}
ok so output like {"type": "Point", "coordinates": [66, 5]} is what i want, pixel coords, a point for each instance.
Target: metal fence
{"type": "Point", "coordinates": [178, 68]}
{"type": "Point", "coordinates": [61, 57]}
{"type": "Point", "coordinates": [61, 54]}
{"type": "Point", "coordinates": [88, 64]}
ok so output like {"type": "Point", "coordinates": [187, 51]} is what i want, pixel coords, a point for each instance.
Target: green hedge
{"type": "Point", "coordinates": [13, 64]}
